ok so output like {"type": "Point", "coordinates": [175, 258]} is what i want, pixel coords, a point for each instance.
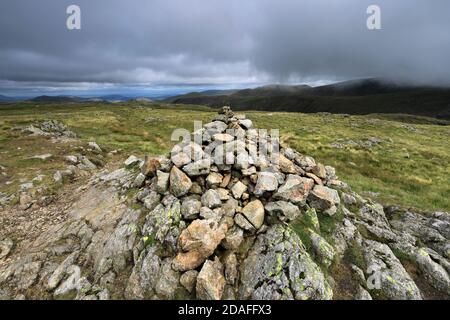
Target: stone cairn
{"type": "Point", "coordinates": [211, 199]}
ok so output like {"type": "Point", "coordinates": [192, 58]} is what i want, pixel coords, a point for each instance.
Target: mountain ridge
{"type": "Point", "coordinates": [351, 97]}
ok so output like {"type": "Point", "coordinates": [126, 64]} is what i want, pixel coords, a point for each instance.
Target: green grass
{"type": "Point", "coordinates": [409, 167]}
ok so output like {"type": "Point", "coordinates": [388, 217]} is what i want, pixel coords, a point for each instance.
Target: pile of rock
{"type": "Point", "coordinates": [231, 188]}
{"type": "Point", "coordinates": [50, 128]}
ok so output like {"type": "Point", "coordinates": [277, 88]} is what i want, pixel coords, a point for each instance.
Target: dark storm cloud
{"type": "Point", "coordinates": [212, 41]}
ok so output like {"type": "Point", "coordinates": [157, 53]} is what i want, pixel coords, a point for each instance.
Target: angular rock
{"type": "Point", "coordinates": [324, 199]}
{"type": "Point", "coordinates": [322, 249]}
{"type": "Point", "coordinates": [189, 279]}
{"type": "Point", "coordinates": [180, 159]}
{"type": "Point", "coordinates": [214, 179]}
{"type": "Point", "coordinates": [267, 181]}
{"type": "Point", "coordinates": [277, 267]}
{"type": "Point", "coordinates": [197, 242]}
{"type": "Point", "coordinates": [286, 165]}
{"type": "Point", "coordinates": [190, 208]}
{"type": "Point", "coordinates": [210, 281]}
{"type": "Point", "coordinates": [198, 168]}
{"type": "Point", "coordinates": [211, 199]}
{"type": "Point", "coordinates": [179, 182]}
{"type": "Point", "coordinates": [254, 212]}
{"type": "Point", "coordinates": [223, 137]}
{"type": "Point", "coordinates": [283, 210]}
{"type": "Point", "coordinates": [162, 184]}
{"type": "Point", "coordinates": [238, 189]}
{"type": "Point", "coordinates": [295, 189]}
{"type": "Point", "coordinates": [386, 275]}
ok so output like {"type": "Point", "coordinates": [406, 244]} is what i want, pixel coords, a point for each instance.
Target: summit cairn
{"type": "Point", "coordinates": [227, 198]}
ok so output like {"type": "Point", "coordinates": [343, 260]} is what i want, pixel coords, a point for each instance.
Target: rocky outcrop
{"type": "Point", "coordinates": [232, 215]}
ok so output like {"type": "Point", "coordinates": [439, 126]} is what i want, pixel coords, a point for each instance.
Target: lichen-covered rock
{"type": "Point", "coordinates": [168, 280]}
{"type": "Point", "coordinates": [284, 211]}
{"type": "Point", "coordinates": [434, 273]}
{"type": "Point", "coordinates": [387, 276]}
{"type": "Point", "coordinates": [278, 267]}
{"type": "Point", "coordinates": [322, 249]}
{"type": "Point", "coordinates": [142, 281]}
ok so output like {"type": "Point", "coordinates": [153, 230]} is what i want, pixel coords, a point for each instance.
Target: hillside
{"type": "Point", "coordinates": [351, 97]}
{"type": "Point", "coordinates": [266, 224]}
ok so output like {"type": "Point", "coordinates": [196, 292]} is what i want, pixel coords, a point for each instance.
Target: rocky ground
{"type": "Point", "coordinates": [219, 219]}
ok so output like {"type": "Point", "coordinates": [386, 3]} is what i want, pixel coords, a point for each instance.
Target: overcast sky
{"type": "Point", "coordinates": [226, 43]}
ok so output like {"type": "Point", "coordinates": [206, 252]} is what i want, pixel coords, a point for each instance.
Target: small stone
{"type": "Point", "coordinates": [238, 189]}
{"type": "Point", "coordinates": [93, 145]}
{"type": "Point", "coordinates": [224, 194]}
{"type": "Point", "coordinates": [254, 212]}
{"type": "Point", "coordinates": [198, 168]}
{"type": "Point", "coordinates": [25, 201]}
{"type": "Point", "coordinates": [246, 123]}
{"type": "Point", "coordinates": [223, 137]}
{"type": "Point", "coordinates": [189, 279]}
{"type": "Point", "coordinates": [151, 201]}
{"type": "Point", "coordinates": [226, 180]}
{"type": "Point", "coordinates": [162, 184]}
{"type": "Point", "coordinates": [267, 181]}
{"type": "Point", "coordinates": [139, 181]}
{"type": "Point", "coordinates": [179, 182]}
{"type": "Point", "coordinates": [5, 247]}
{"type": "Point", "coordinates": [295, 189]}
{"type": "Point", "coordinates": [242, 222]}
{"type": "Point", "coordinates": [150, 166]}
{"type": "Point", "coordinates": [71, 159]}
{"type": "Point", "coordinates": [233, 239]}
{"type": "Point", "coordinates": [190, 208]}
{"type": "Point", "coordinates": [197, 242]}
{"type": "Point", "coordinates": [322, 249]}
{"type": "Point", "coordinates": [132, 161]}
{"type": "Point", "coordinates": [210, 281]}
{"type": "Point", "coordinates": [283, 210]}
{"type": "Point", "coordinates": [211, 199]}
{"type": "Point", "coordinates": [324, 199]}
{"type": "Point", "coordinates": [214, 179]}
{"type": "Point", "coordinates": [57, 177]}
{"type": "Point", "coordinates": [319, 170]}
{"type": "Point", "coordinates": [180, 159]}
{"type": "Point", "coordinates": [286, 165]}
{"type": "Point", "coordinates": [249, 171]}
{"type": "Point", "coordinates": [42, 157]}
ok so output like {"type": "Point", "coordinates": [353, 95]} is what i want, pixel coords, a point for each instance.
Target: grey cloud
{"type": "Point", "coordinates": [199, 41]}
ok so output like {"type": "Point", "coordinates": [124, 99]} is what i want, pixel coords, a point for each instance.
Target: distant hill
{"type": "Point", "coordinates": [114, 97]}
{"type": "Point", "coordinates": [58, 99]}
{"type": "Point", "coordinates": [352, 97]}
{"type": "Point", "coordinates": [7, 99]}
